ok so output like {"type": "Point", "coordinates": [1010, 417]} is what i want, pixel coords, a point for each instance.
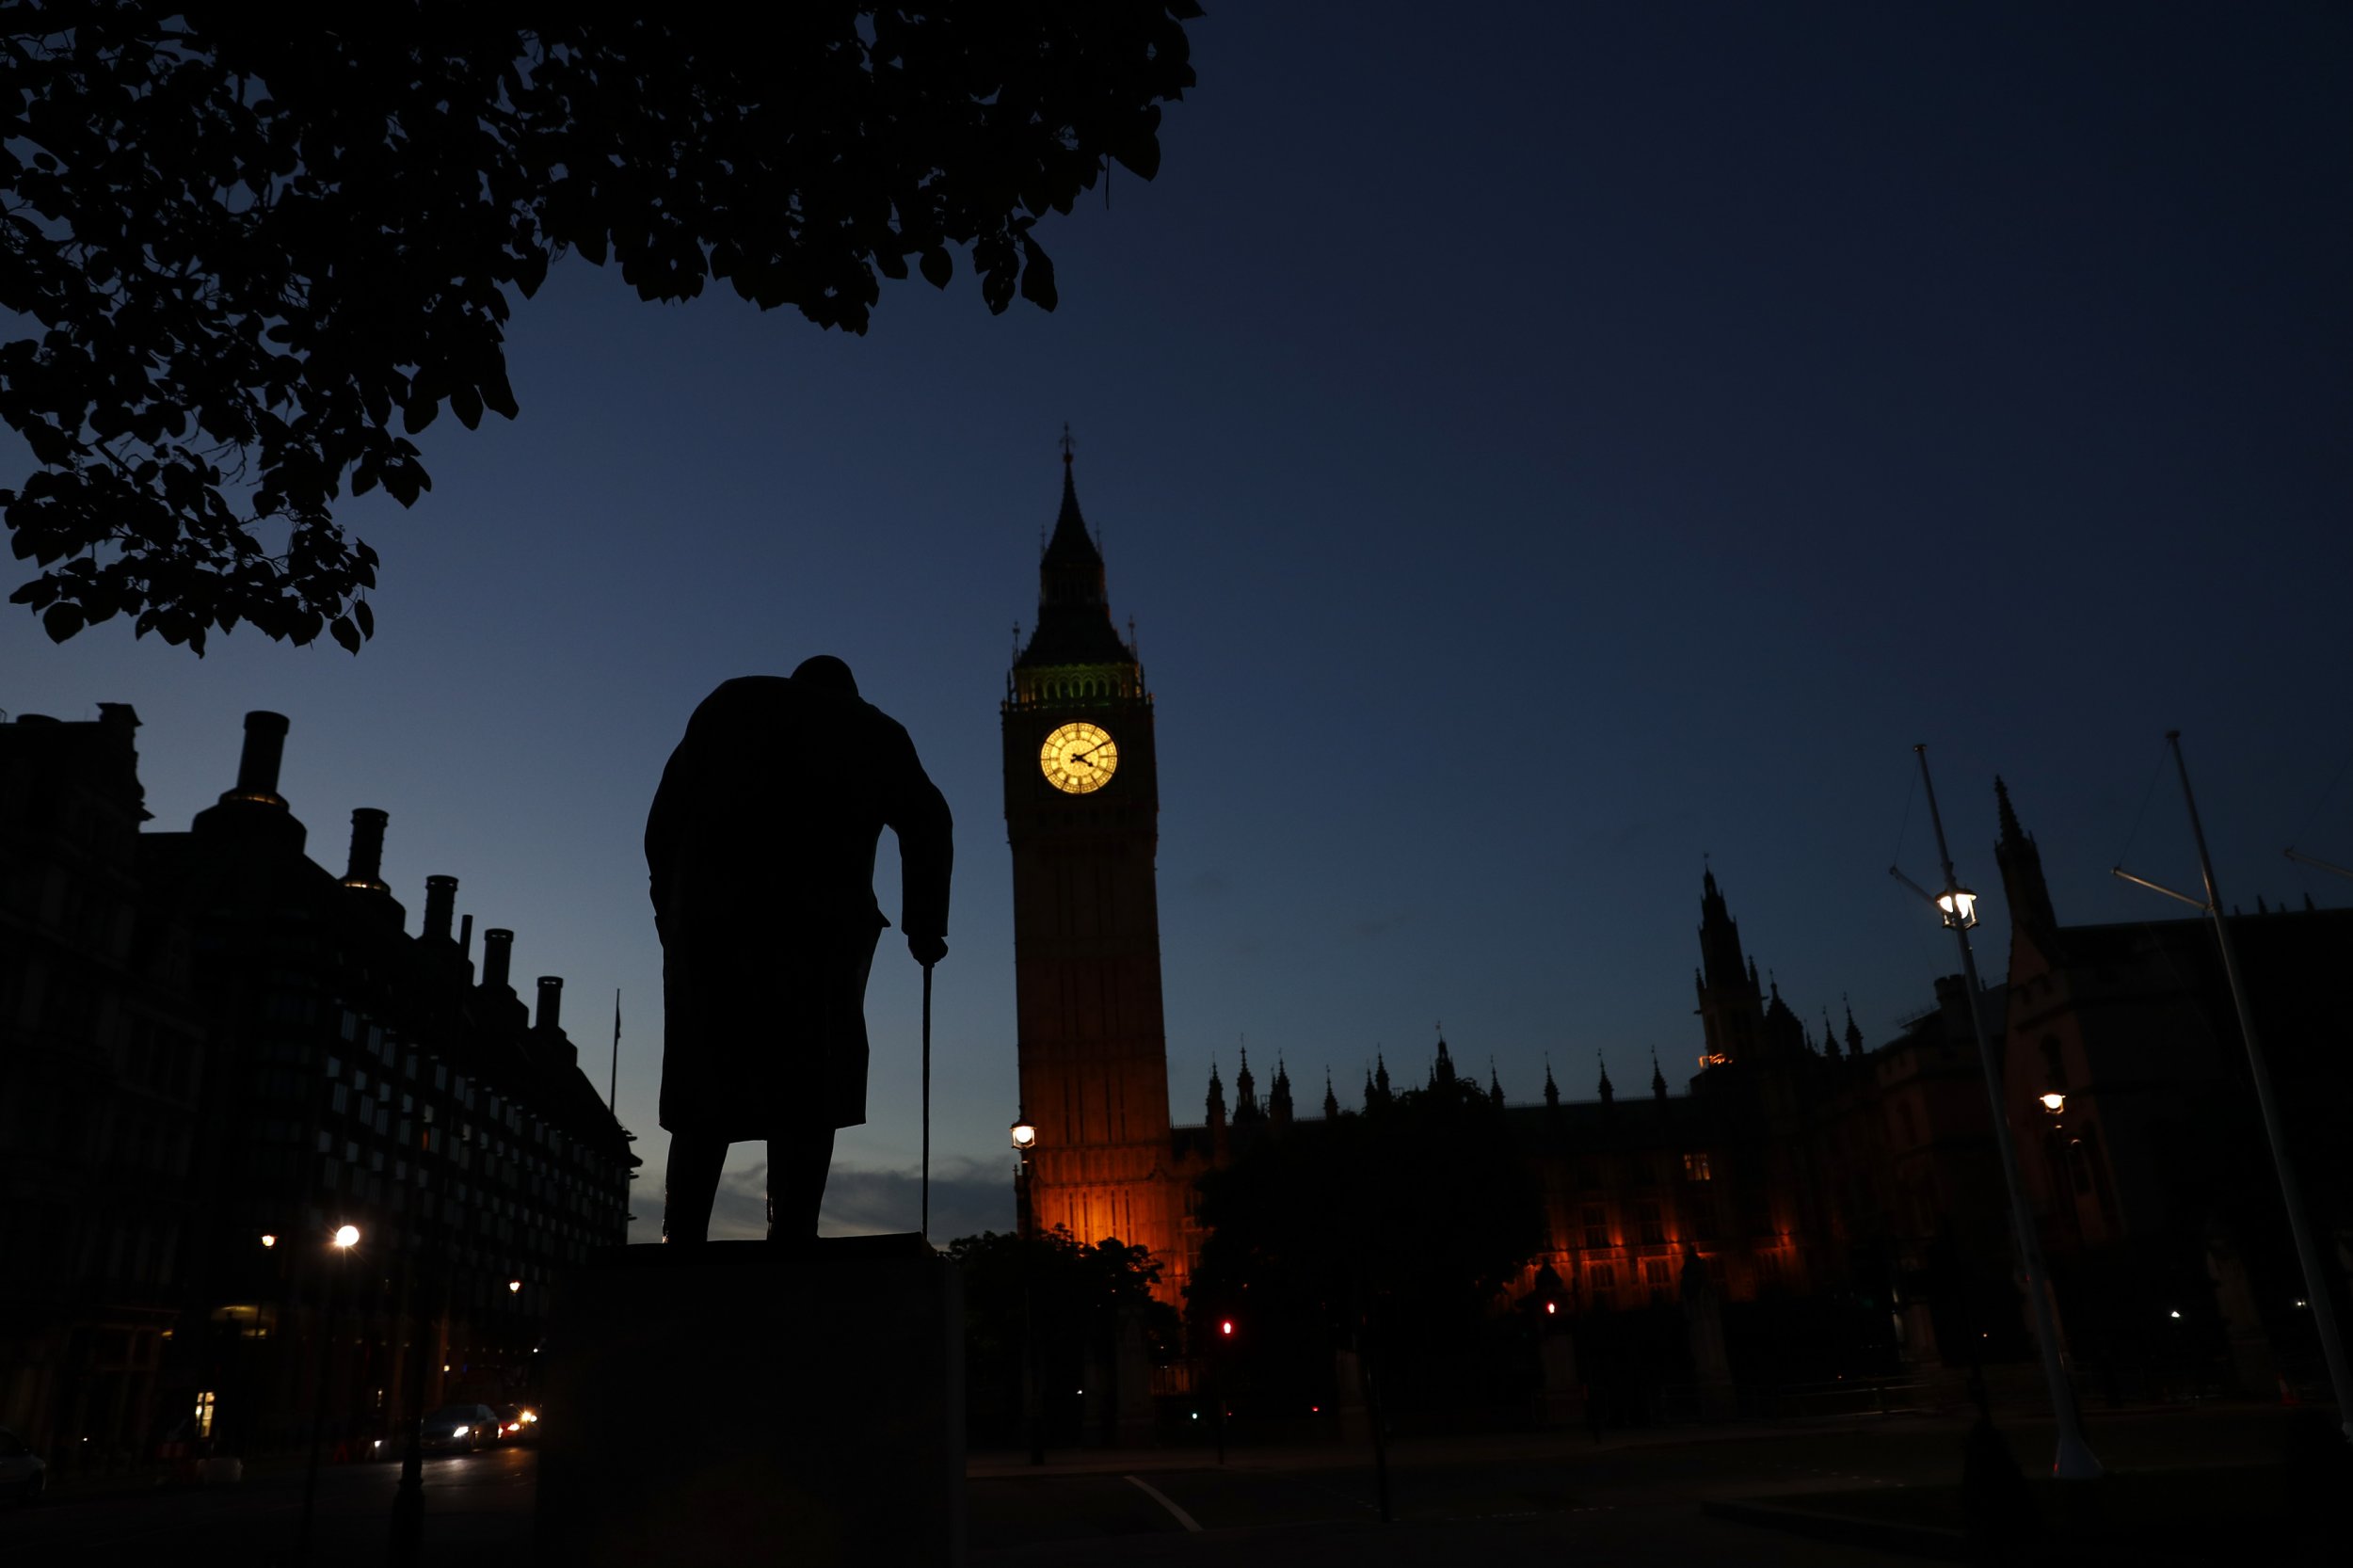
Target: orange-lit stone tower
{"type": "Point", "coordinates": [1083, 814]}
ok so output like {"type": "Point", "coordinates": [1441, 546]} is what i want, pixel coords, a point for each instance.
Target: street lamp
{"type": "Point", "coordinates": [268, 1240]}
{"type": "Point", "coordinates": [2308, 1255]}
{"type": "Point", "coordinates": [2075, 1461]}
{"type": "Point", "coordinates": [345, 1237]}
{"type": "Point", "coordinates": [514, 1287]}
{"type": "Point", "coordinates": [1023, 1136]}
{"type": "Point", "coordinates": [2055, 1102]}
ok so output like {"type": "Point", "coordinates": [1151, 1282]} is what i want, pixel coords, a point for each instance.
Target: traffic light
{"type": "Point", "coordinates": [1226, 1328]}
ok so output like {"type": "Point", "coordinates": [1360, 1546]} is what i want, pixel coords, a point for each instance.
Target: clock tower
{"type": "Point", "coordinates": [1081, 814]}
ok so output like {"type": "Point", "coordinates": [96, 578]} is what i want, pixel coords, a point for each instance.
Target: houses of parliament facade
{"type": "Point", "coordinates": [1797, 1168]}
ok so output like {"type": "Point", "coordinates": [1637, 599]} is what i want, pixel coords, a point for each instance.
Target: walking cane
{"type": "Point", "coordinates": [927, 1102]}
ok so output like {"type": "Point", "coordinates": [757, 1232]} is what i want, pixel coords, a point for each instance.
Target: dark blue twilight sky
{"type": "Point", "coordinates": [1536, 449]}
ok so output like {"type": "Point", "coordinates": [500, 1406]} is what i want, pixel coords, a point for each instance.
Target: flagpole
{"type": "Point", "coordinates": [2317, 1285]}
{"type": "Point", "coordinates": [612, 1088]}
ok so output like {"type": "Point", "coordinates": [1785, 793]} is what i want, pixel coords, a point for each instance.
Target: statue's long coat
{"type": "Point", "coordinates": [760, 845]}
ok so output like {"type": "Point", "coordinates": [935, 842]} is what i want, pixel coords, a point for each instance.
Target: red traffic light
{"type": "Point", "coordinates": [1226, 1326]}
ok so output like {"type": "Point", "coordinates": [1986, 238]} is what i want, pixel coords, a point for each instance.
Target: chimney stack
{"type": "Point", "coordinates": [498, 948]}
{"type": "Point", "coordinates": [550, 1003]}
{"type": "Point", "coordinates": [465, 938]}
{"type": "Point", "coordinates": [257, 766]}
{"type": "Point", "coordinates": [440, 903]}
{"type": "Point", "coordinates": [367, 851]}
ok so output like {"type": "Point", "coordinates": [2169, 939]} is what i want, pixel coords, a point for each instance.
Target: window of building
{"type": "Point", "coordinates": [1695, 1168]}
{"type": "Point", "coordinates": [1653, 1230]}
{"type": "Point", "coordinates": [1602, 1276]}
{"type": "Point", "coordinates": [1657, 1277]}
{"type": "Point", "coordinates": [1596, 1226]}
{"type": "Point", "coordinates": [2053, 1063]}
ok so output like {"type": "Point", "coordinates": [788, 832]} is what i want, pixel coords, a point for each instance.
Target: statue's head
{"type": "Point", "coordinates": [826, 673]}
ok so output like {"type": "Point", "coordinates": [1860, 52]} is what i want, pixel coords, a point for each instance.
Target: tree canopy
{"type": "Point", "coordinates": [1065, 1302]}
{"type": "Point", "coordinates": [1381, 1232]}
{"type": "Point", "coordinates": [249, 257]}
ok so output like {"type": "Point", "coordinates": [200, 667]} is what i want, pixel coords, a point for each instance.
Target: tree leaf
{"type": "Point", "coordinates": [62, 620]}
{"type": "Point", "coordinates": [1037, 275]}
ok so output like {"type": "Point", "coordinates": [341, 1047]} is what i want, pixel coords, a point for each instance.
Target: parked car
{"type": "Point", "coordinates": [460, 1426]}
{"type": "Point", "coordinates": [22, 1473]}
{"type": "Point", "coordinates": [518, 1423]}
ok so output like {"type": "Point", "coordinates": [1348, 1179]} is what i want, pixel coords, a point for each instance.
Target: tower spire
{"type": "Point", "coordinates": [1074, 617]}
{"type": "Point", "coordinates": [2022, 887]}
{"type": "Point", "coordinates": [1731, 1003]}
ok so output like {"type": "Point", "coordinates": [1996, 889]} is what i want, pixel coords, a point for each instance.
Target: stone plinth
{"type": "Point", "coordinates": [742, 1402]}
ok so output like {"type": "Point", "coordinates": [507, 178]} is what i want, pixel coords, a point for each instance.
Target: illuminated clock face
{"type": "Point", "coordinates": [1078, 758]}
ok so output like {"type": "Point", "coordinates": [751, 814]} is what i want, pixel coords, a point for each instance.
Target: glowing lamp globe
{"type": "Point", "coordinates": [1024, 1135]}
{"type": "Point", "coordinates": [346, 1235]}
{"type": "Point", "coordinates": [1960, 908]}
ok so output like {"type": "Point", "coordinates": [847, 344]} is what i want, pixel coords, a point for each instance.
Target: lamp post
{"type": "Point", "coordinates": [345, 1239]}
{"type": "Point", "coordinates": [1957, 906]}
{"type": "Point", "coordinates": [1024, 1138]}
{"type": "Point", "coordinates": [2307, 1257]}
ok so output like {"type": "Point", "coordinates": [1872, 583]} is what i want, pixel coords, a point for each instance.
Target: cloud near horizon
{"type": "Point", "coordinates": [967, 1196]}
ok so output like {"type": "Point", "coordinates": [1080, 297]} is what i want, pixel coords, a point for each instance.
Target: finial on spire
{"type": "Point", "coordinates": [1069, 446]}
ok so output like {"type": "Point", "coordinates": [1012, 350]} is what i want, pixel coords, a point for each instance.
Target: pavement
{"type": "Point", "coordinates": [1631, 1499]}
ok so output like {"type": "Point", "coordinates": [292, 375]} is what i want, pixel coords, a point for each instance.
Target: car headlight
{"type": "Point", "coordinates": [461, 1432]}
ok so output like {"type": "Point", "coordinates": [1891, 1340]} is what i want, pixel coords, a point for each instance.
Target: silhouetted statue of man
{"type": "Point", "coordinates": [762, 846]}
